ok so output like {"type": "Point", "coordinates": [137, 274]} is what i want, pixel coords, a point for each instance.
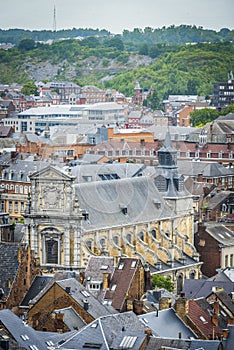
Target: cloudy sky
{"type": "Point", "coordinates": [116, 15]}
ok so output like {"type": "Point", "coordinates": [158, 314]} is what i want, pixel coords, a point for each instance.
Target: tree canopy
{"type": "Point", "coordinates": [162, 282]}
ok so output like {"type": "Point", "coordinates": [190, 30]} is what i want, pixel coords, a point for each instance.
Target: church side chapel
{"type": "Point", "coordinates": [149, 218]}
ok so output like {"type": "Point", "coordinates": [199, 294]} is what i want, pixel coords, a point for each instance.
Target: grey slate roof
{"type": "Point", "coordinates": [228, 343]}
{"type": "Point", "coordinates": [160, 131]}
{"type": "Point", "coordinates": [105, 171]}
{"type": "Point", "coordinates": [221, 233]}
{"type": "Point", "coordinates": [108, 332]}
{"type": "Point", "coordinates": [71, 318]}
{"type": "Point", "coordinates": [104, 200]}
{"type": "Point", "coordinates": [37, 285]}
{"type": "Point", "coordinates": [182, 344]}
{"type": "Point", "coordinates": [80, 294]}
{"type": "Point", "coordinates": [218, 199]}
{"type": "Point", "coordinates": [97, 265]}
{"type": "Point", "coordinates": [24, 335]}
{"type": "Point", "coordinates": [23, 167]}
{"type": "Point", "coordinates": [167, 324]}
{"type": "Point", "coordinates": [194, 289]}
{"type": "Point", "coordinates": [207, 169]}
{"type": "Point", "coordinates": [9, 264]}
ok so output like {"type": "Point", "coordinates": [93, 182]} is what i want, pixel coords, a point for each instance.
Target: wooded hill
{"type": "Point", "coordinates": [153, 57]}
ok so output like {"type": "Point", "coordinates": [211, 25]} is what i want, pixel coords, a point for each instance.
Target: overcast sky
{"type": "Point", "coordinates": [116, 15]}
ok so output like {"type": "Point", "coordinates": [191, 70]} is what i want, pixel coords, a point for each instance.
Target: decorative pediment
{"type": "Point", "coordinates": [52, 173]}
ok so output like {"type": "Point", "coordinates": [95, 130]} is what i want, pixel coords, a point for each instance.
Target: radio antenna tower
{"type": "Point", "coordinates": [54, 21]}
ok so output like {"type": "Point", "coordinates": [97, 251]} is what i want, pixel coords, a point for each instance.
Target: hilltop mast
{"type": "Point", "coordinates": [54, 21]}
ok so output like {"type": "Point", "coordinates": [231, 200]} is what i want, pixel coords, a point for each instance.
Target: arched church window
{"type": "Point", "coordinates": [154, 233]}
{"type": "Point", "coordinates": [103, 243]}
{"type": "Point", "coordinates": [142, 236]}
{"type": "Point", "coordinates": [179, 283]}
{"type": "Point", "coordinates": [89, 244]}
{"type": "Point", "coordinates": [129, 237]}
{"type": "Point", "coordinates": [116, 239]}
{"type": "Point", "coordinates": [52, 251]}
{"type": "Point", "coordinates": [192, 275]}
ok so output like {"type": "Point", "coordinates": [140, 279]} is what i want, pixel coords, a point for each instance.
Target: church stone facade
{"type": "Point", "coordinates": [144, 217]}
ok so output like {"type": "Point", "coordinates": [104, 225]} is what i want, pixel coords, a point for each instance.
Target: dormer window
{"type": "Point", "coordinates": [121, 266]}
{"type": "Point", "coordinates": [85, 215]}
{"type": "Point", "coordinates": [124, 209]}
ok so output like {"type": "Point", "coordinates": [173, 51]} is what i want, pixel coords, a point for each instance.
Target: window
{"type": "Point", "coordinates": [226, 260]}
{"type": "Point", "coordinates": [10, 206]}
{"type": "Point", "coordinates": [16, 207]}
{"type": "Point", "coordinates": [21, 206]}
{"type": "Point", "coordinates": [154, 233]}
{"type": "Point", "coordinates": [141, 235]}
{"type": "Point", "coordinates": [121, 266]}
{"type": "Point", "coordinates": [231, 260]}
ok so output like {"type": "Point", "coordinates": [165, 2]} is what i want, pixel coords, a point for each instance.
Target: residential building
{"type": "Point", "coordinates": [61, 294]}
{"type": "Point", "coordinates": [16, 186]}
{"type": "Point", "coordinates": [6, 108]}
{"type": "Point", "coordinates": [17, 270]}
{"type": "Point", "coordinates": [215, 244]}
{"type": "Point", "coordinates": [224, 92]}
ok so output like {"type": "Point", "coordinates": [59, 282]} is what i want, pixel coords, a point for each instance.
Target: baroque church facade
{"type": "Point", "coordinates": [150, 218]}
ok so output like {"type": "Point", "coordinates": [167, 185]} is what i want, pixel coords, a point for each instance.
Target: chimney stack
{"type": "Point", "coordinates": [106, 279]}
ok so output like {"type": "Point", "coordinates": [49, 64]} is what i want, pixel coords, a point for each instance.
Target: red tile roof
{"type": "Point", "coordinates": [202, 320]}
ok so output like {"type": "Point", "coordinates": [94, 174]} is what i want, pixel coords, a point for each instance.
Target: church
{"type": "Point", "coordinates": [147, 217]}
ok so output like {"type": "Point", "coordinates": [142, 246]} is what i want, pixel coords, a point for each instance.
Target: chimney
{"type": "Point", "coordinates": [68, 290]}
{"type": "Point", "coordinates": [164, 303]}
{"type": "Point", "coordinates": [86, 304]}
{"type": "Point", "coordinates": [138, 307]}
{"type": "Point", "coordinates": [216, 307]}
{"type": "Point", "coordinates": [214, 319]}
{"type": "Point", "coordinates": [181, 306]}
{"type": "Point", "coordinates": [225, 333]}
{"type": "Point", "coordinates": [106, 280]}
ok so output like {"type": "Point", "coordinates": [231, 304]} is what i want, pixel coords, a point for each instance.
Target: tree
{"type": "Point", "coordinates": [116, 43]}
{"type": "Point", "coordinates": [143, 50]}
{"type": "Point", "coordinates": [153, 101]}
{"type": "Point", "coordinates": [162, 282]}
{"type": "Point", "coordinates": [29, 88]}
{"type": "Point", "coordinates": [203, 116]}
{"type": "Point", "coordinates": [26, 45]}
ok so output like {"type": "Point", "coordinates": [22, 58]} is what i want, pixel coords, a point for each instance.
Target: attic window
{"type": "Point", "coordinates": [157, 203]}
{"type": "Point", "coordinates": [92, 345]}
{"type": "Point", "coordinates": [124, 209]}
{"type": "Point", "coordinates": [85, 293]}
{"type": "Point", "coordinates": [203, 320]}
{"type": "Point", "coordinates": [114, 287]}
{"type": "Point", "coordinates": [85, 214]}
{"type": "Point", "coordinates": [128, 342]}
{"type": "Point", "coordinates": [133, 264]}
{"type": "Point", "coordinates": [24, 336]}
{"type": "Point", "coordinates": [121, 266]}
{"type": "Point", "coordinates": [94, 325]}
{"type": "Point", "coordinates": [50, 343]}
{"type": "Point", "coordinates": [104, 267]}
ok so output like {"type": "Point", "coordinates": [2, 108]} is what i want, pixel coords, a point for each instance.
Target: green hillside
{"type": "Point", "coordinates": [118, 61]}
